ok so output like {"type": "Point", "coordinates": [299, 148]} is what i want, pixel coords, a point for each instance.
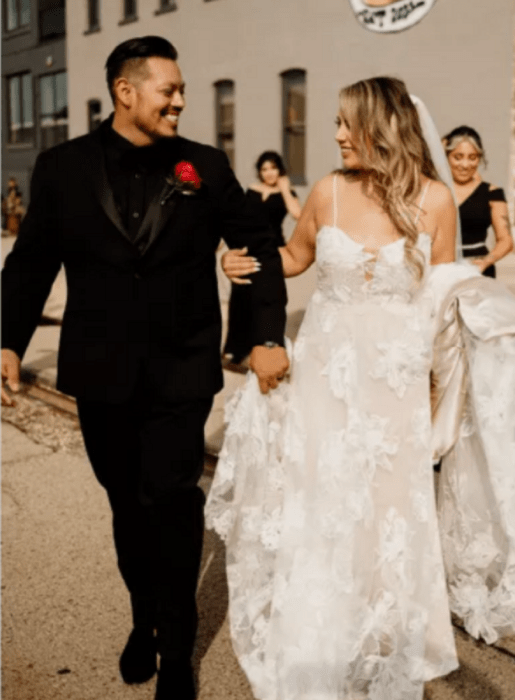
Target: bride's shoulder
{"type": "Point", "coordinates": [438, 195]}
{"type": "Point", "coordinates": [325, 183]}
{"type": "Point", "coordinates": [323, 188]}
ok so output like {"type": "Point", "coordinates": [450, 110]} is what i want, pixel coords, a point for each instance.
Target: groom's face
{"type": "Point", "coordinates": [158, 99]}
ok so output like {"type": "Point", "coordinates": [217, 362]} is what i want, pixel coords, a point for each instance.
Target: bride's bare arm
{"type": "Point", "coordinates": [444, 215]}
{"type": "Point", "coordinates": [299, 253]}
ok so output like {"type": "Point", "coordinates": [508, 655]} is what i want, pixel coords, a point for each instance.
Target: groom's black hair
{"type": "Point", "coordinates": [136, 51]}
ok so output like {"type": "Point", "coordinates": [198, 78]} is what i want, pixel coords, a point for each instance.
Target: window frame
{"type": "Point", "coordinates": [290, 78]}
{"type": "Point", "coordinates": [29, 142]}
{"type": "Point", "coordinates": [90, 103]}
{"type": "Point", "coordinates": [43, 38]}
{"type": "Point", "coordinates": [223, 136]}
{"type": "Point", "coordinates": [19, 26]}
{"type": "Point", "coordinates": [42, 116]}
{"type": "Point", "coordinates": [93, 26]}
{"type": "Point", "coordinates": [126, 17]}
{"type": "Point", "coordinates": [170, 6]}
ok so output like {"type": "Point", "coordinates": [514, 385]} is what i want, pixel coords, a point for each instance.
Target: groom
{"type": "Point", "coordinates": [135, 213]}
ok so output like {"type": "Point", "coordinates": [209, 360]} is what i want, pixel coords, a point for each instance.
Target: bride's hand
{"type": "Point", "coordinates": [237, 264]}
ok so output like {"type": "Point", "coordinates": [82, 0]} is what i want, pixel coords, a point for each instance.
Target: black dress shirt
{"type": "Point", "coordinates": [136, 175]}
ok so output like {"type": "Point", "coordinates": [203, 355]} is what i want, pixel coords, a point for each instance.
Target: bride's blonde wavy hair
{"type": "Point", "coordinates": [385, 130]}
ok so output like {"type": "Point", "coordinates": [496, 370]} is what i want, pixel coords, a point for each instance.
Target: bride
{"type": "Point", "coordinates": [341, 576]}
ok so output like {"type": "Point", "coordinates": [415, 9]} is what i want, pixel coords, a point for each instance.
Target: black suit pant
{"type": "Point", "coordinates": [148, 454]}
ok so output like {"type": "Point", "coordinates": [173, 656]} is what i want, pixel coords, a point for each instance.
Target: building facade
{"type": "Point", "coordinates": [265, 74]}
{"type": "Point", "coordinates": [34, 85]}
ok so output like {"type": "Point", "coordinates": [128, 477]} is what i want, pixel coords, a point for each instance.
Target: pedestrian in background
{"type": "Point", "coordinates": [14, 210]}
{"type": "Point", "coordinates": [272, 197]}
{"type": "Point", "coordinates": [481, 204]}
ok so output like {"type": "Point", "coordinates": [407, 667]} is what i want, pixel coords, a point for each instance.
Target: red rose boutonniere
{"type": "Point", "coordinates": [186, 173]}
{"type": "Point", "coordinates": [184, 180]}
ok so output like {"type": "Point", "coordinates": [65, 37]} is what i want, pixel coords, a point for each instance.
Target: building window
{"type": "Point", "coordinates": [294, 124]}
{"type": "Point", "coordinates": [51, 19]}
{"type": "Point", "coordinates": [21, 109]}
{"type": "Point", "coordinates": [94, 114]}
{"type": "Point", "coordinates": [224, 107]}
{"type": "Point", "coordinates": [16, 14]}
{"type": "Point", "coordinates": [93, 15]}
{"type": "Point", "coordinates": [165, 5]}
{"type": "Point", "coordinates": [130, 9]}
{"type": "Point", "coordinates": [54, 109]}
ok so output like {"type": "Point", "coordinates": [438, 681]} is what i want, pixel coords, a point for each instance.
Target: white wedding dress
{"type": "Point", "coordinates": [324, 495]}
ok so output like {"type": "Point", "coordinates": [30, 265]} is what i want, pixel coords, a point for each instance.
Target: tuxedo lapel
{"type": "Point", "coordinates": [160, 208]}
{"type": "Point", "coordinates": [164, 204]}
{"type": "Point", "coordinates": [101, 184]}
{"type": "Point", "coordinates": [158, 213]}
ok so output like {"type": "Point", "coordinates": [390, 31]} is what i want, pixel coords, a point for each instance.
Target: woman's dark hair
{"type": "Point", "coordinates": [134, 53]}
{"type": "Point", "coordinates": [274, 158]}
{"type": "Point", "coordinates": [464, 133]}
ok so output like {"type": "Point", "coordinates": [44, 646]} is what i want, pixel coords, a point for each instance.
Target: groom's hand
{"type": "Point", "coordinates": [270, 366]}
{"type": "Point", "coordinates": [10, 375]}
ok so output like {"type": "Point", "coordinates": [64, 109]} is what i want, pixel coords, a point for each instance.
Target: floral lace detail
{"type": "Point", "coordinates": [477, 493]}
{"type": "Point", "coordinates": [495, 412]}
{"type": "Point", "coordinates": [402, 362]}
{"type": "Point", "coordinates": [421, 425]}
{"type": "Point", "coordinates": [341, 370]}
{"type": "Point", "coordinates": [324, 495]}
{"type": "Point", "coordinates": [347, 274]}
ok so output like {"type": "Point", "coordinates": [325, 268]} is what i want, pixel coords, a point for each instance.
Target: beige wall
{"type": "Point", "coordinates": [458, 59]}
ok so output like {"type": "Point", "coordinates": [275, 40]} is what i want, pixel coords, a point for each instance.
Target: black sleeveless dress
{"type": "Point", "coordinates": [475, 218]}
{"type": "Point", "coordinates": [239, 336]}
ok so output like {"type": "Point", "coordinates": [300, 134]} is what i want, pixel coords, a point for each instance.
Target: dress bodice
{"type": "Point", "coordinates": [348, 273]}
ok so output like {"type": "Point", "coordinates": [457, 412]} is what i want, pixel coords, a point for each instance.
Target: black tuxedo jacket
{"type": "Point", "coordinates": [130, 313]}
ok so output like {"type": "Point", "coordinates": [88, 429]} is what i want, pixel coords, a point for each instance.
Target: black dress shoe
{"type": "Point", "coordinates": [138, 660]}
{"type": "Point", "coordinates": [175, 681]}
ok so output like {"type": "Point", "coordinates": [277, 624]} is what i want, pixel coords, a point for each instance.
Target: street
{"type": "Point", "coordinates": [65, 610]}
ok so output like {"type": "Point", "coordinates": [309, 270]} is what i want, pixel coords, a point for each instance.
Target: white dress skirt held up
{"type": "Point", "coordinates": [324, 490]}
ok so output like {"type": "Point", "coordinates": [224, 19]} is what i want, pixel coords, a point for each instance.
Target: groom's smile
{"type": "Point", "coordinates": [150, 101]}
{"type": "Point", "coordinates": [159, 99]}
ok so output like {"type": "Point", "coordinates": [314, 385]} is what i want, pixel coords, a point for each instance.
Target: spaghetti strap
{"type": "Point", "coordinates": [335, 210]}
{"type": "Point", "coordinates": [423, 196]}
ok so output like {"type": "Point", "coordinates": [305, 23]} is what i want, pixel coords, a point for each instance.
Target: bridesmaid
{"type": "Point", "coordinates": [270, 196]}
{"type": "Point", "coordinates": [481, 204]}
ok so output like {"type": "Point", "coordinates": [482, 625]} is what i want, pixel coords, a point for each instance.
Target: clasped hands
{"type": "Point", "coordinates": [270, 366]}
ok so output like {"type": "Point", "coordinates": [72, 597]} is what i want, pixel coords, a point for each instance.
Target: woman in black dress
{"type": "Point", "coordinates": [270, 196]}
{"type": "Point", "coordinates": [481, 204]}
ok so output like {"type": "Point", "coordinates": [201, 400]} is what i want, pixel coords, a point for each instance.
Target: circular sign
{"type": "Point", "coordinates": [390, 15]}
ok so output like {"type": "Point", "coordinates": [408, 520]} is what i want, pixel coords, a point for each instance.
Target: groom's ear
{"type": "Point", "coordinates": [124, 91]}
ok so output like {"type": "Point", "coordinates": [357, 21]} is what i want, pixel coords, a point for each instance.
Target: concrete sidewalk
{"type": "Point", "coordinates": [66, 612]}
